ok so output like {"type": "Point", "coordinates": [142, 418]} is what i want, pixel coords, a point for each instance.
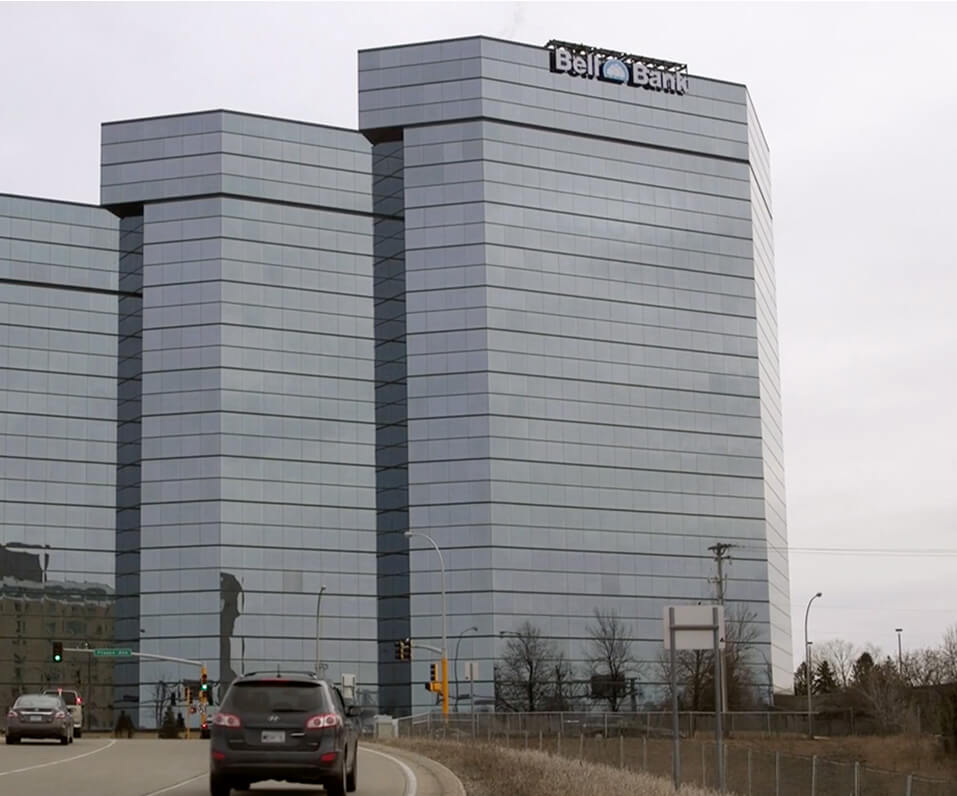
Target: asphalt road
{"type": "Point", "coordinates": [140, 767]}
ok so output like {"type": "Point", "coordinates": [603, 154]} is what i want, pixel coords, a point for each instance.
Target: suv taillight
{"type": "Point", "coordinates": [12, 714]}
{"type": "Point", "coordinates": [226, 720]}
{"type": "Point", "coordinates": [322, 721]}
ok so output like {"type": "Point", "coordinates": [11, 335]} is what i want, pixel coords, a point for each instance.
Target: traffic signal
{"type": "Point", "coordinates": [403, 649]}
{"type": "Point", "coordinates": [435, 679]}
{"type": "Point", "coordinates": [203, 685]}
{"type": "Point", "coordinates": [57, 651]}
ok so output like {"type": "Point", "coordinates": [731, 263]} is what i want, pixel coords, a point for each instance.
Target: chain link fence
{"type": "Point", "coordinates": [642, 742]}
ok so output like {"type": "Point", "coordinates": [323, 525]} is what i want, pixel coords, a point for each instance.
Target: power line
{"type": "Point", "coordinates": [911, 552]}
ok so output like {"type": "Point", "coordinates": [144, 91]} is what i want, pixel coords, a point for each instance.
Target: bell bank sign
{"type": "Point", "coordinates": [596, 66]}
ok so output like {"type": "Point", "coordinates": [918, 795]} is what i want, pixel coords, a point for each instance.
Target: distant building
{"type": "Point", "coordinates": [78, 614]}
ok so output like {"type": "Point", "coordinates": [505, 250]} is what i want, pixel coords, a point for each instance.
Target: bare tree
{"type": "Point", "coordinates": [841, 655]}
{"type": "Point", "coordinates": [923, 667]}
{"type": "Point", "coordinates": [564, 692]}
{"type": "Point", "coordinates": [695, 674]}
{"type": "Point", "coordinates": [741, 636]}
{"type": "Point", "coordinates": [608, 652]}
{"type": "Point", "coordinates": [526, 672]}
{"type": "Point", "coordinates": [161, 692]}
{"type": "Point", "coordinates": [948, 655]}
{"type": "Point", "coordinates": [887, 696]}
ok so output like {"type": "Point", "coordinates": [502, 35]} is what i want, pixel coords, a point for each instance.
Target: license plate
{"type": "Point", "coordinates": [273, 736]}
{"type": "Point", "coordinates": [36, 718]}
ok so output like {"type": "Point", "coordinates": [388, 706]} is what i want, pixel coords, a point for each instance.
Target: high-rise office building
{"type": "Point", "coordinates": [526, 310]}
{"type": "Point", "coordinates": [590, 357]}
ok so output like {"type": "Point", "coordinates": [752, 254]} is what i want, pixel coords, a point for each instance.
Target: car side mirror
{"type": "Point", "coordinates": [352, 711]}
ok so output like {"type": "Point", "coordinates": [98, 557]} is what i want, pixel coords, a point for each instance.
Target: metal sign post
{"type": "Point", "coordinates": [696, 627]}
{"type": "Point", "coordinates": [718, 706]}
{"type": "Point", "coordinates": [675, 726]}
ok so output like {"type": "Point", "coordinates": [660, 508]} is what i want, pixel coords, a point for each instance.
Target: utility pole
{"type": "Point", "coordinates": [720, 551]}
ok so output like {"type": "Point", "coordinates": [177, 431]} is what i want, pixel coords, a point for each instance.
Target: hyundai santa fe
{"type": "Point", "coordinates": [291, 727]}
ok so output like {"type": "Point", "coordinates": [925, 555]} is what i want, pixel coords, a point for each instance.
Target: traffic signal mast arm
{"type": "Point", "coordinates": [404, 647]}
{"type": "Point", "coordinates": [134, 654]}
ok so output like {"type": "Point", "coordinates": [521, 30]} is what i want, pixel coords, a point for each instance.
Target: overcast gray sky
{"type": "Point", "coordinates": [859, 104]}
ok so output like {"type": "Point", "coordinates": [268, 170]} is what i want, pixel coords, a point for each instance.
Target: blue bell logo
{"type": "Point", "coordinates": [614, 70]}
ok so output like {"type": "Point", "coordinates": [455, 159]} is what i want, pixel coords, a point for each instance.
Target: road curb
{"type": "Point", "coordinates": [450, 783]}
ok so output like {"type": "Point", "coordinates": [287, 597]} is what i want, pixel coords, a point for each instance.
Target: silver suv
{"type": "Point", "coordinates": [74, 704]}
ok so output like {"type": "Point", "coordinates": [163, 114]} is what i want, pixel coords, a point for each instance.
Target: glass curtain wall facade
{"type": "Point", "coordinates": [256, 427]}
{"type": "Point", "coordinates": [528, 313]}
{"type": "Point", "coordinates": [58, 305]}
{"type": "Point", "coordinates": [592, 384]}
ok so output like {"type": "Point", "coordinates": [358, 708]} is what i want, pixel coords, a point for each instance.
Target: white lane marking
{"type": "Point", "coordinates": [177, 785]}
{"type": "Point", "coordinates": [57, 762]}
{"type": "Point", "coordinates": [411, 783]}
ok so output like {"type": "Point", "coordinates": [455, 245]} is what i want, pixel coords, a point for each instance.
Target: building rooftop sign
{"type": "Point", "coordinates": [595, 63]}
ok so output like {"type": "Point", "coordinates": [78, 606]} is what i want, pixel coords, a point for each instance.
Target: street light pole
{"type": "Point", "coordinates": [807, 667]}
{"type": "Point", "coordinates": [318, 625]}
{"type": "Point", "coordinates": [900, 654]}
{"type": "Point", "coordinates": [445, 640]}
{"type": "Point", "coordinates": [455, 665]}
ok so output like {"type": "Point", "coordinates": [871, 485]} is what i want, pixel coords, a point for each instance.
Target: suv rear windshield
{"type": "Point", "coordinates": [273, 696]}
{"type": "Point", "coordinates": [69, 697]}
{"type": "Point", "coordinates": [37, 701]}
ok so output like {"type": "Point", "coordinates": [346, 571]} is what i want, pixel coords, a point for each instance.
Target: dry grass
{"type": "Point", "coordinates": [910, 754]}
{"type": "Point", "coordinates": [492, 770]}
{"type": "Point", "coordinates": [752, 765]}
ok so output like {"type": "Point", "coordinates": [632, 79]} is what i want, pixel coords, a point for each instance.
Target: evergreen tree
{"type": "Point", "coordinates": [800, 680]}
{"type": "Point", "coordinates": [862, 670]}
{"type": "Point", "coordinates": [824, 680]}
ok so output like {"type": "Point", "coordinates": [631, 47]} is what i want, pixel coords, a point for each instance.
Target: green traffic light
{"type": "Point", "coordinates": [57, 658]}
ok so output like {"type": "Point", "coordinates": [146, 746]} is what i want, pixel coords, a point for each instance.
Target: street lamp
{"type": "Point", "coordinates": [900, 654]}
{"type": "Point", "coordinates": [445, 641]}
{"type": "Point", "coordinates": [455, 663]}
{"type": "Point", "coordinates": [319, 625]}
{"type": "Point", "coordinates": [807, 666]}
